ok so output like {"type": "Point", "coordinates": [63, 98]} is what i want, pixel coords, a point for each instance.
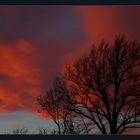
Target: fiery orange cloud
{"type": "Point", "coordinates": [25, 69]}
{"type": "Point", "coordinates": [19, 76]}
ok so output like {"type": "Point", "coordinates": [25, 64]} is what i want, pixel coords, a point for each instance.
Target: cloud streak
{"type": "Point", "coordinates": [37, 41]}
{"type": "Point", "coordinates": [33, 41]}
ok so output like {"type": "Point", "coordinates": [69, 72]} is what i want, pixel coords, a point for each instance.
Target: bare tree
{"type": "Point", "coordinates": [20, 131]}
{"type": "Point", "coordinates": [43, 131]}
{"type": "Point", "coordinates": [106, 86]}
{"type": "Point", "coordinates": [54, 102]}
{"type": "Point", "coordinates": [51, 104]}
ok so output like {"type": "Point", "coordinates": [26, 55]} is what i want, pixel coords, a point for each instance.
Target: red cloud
{"type": "Point", "coordinates": [103, 22]}
{"type": "Point", "coordinates": [26, 71]}
{"type": "Point", "coordinates": [20, 76]}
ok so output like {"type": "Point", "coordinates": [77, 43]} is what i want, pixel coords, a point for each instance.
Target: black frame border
{"type": "Point", "coordinates": [70, 2]}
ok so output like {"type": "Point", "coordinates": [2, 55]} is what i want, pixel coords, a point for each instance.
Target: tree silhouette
{"type": "Point", "coordinates": [106, 86]}
{"type": "Point", "coordinates": [51, 104]}
{"type": "Point", "coordinates": [20, 131]}
{"type": "Point", "coordinates": [43, 131]}
{"type": "Point", "coordinates": [102, 87]}
{"type": "Point", "coordinates": [54, 103]}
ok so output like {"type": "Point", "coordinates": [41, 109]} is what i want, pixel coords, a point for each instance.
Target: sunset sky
{"type": "Point", "coordinates": [36, 42]}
